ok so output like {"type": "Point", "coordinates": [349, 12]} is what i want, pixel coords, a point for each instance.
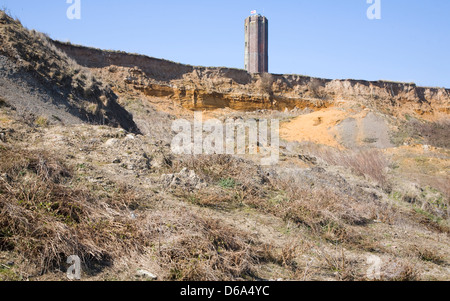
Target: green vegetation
{"type": "Point", "coordinates": [227, 183]}
{"type": "Point", "coordinates": [42, 121]}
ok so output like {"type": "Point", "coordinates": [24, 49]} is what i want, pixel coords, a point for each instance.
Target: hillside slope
{"type": "Point", "coordinates": [40, 79]}
{"type": "Point", "coordinates": [363, 172]}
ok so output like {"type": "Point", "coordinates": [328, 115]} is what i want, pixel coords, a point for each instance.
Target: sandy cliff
{"type": "Point", "coordinates": [209, 88]}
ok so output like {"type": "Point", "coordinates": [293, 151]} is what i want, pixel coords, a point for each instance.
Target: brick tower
{"type": "Point", "coordinates": [257, 44]}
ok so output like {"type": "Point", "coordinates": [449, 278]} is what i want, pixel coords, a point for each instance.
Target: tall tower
{"type": "Point", "coordinates": [257, 44]}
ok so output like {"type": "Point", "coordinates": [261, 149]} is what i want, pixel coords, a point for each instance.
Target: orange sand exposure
{"type": "Point", "coordinates": [317, 127]}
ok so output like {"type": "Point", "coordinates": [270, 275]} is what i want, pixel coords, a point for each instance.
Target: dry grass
{"type": "Point", "coordinates": [327, 213]}
{"type": "Point", "coordinates": [435, 133]}
{"type": "Point", "coordinates": [432, 133]}
{"type": "Point", "coordinates": [429, 255]}
{"type": "Point", "coordinates": [400, 270]}
{"type": "Point", "coordinates": [45, 216]}
{"type": "Point", "coordinates": [371, 163]}
{"type": "Point", "coordinates": [45, 220]}
{"type": "Point", "coordinates": [429, 206]}
{"type": "Point", "coordinates": [211, 251]}
{"type": "Point", "coordinates": [338, 263]}
{"type": "Point", "coordinates": [216, 167]}
{"type": "Point", "coordinates": [324, 211]}
{"type": "Point", "coordinates": [441, 184]}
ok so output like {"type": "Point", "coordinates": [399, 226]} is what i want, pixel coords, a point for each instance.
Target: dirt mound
{"type": "Point", "coordinates": [59, 86]}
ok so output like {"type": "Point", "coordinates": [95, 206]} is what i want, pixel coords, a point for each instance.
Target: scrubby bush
{"type": "Point", "coordinates": [371, 163]}
{"type": "Point", "coordinates": [431, 133]}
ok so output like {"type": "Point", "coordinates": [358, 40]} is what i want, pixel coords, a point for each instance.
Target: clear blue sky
{"type": "Point", "coordinates": [322, 38]}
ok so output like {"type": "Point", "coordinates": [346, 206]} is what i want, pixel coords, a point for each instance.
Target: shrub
{"type": "Point", "coordinates": [435, 133]}
{"type": "Point", "coordinates": [42, 121]}
{"type": "Point", "coordinates": [399, 270]}
{"type": "Point", "coordinates": [265, 83]}
{"type": "Point", "coordinates": [430, 255]}
{"type": "Point", "coordinates": [227, 183]}
{"type": "Point", "coordinates": [371, 163]}
{"type": "Point", "coordinates": [432, 133]}
{"type": "Point", "coordinates": [315, 88]}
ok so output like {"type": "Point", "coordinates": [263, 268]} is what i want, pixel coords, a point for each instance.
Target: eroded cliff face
{"type": "Point", "coordinates": [211, 88]}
